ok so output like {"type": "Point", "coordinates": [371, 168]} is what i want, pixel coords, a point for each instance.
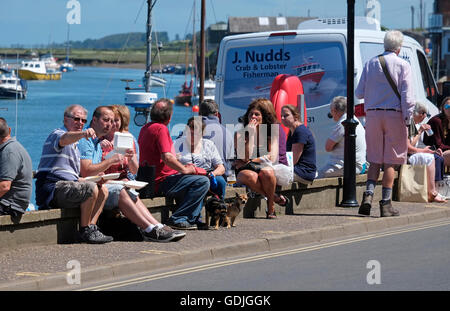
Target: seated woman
{"type": "Point", "coordinates": [301, 142]}
{"type": "Point", "coordinates": [440, 140]}
{"type": "Point", "coordinates": [425, 156]}
{"type": "Point", "coordinates": [261, 140]}
{"type": "Point", "coordinates": [127, 169]}
{"type": "Point", "coordinates": [192, 148]}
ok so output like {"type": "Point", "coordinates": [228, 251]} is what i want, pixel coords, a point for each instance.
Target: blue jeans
{"type": "Point", "coordinates": [221, 187]}
{"type": "Point", "coordinates": [188, 192]}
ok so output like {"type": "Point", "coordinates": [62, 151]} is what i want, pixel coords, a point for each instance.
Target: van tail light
{"type": "Point", "coordinates": [359, 110]}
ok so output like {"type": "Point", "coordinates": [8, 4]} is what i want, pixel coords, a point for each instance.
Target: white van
{"type": "Point", "coordinates": [316, 52]}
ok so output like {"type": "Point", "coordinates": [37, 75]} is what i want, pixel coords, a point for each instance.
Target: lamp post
{"type": "Point", "coordinates": [349, 187]}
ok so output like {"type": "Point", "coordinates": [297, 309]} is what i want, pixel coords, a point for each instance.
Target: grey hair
{"type": "Point", "coordinates": [68, 111]}
{"type": "Point", "coordinates": [393, 40]}
{"type": "Point", "coordinates": [420, 108]}
{"type": "Point", "coordinates": [339, 103]}
{"type": "Point", "coordinates": [208, 107]}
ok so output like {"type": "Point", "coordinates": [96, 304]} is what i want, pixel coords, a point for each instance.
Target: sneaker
{"type": "Point", "coordinates": [158, 235]}
{"type": "Point", "coordinates": [177, 233]}
{"type": "Point", "coordinates": [92, 235]}
{"type": "Point", "coordinates": [184, 225]}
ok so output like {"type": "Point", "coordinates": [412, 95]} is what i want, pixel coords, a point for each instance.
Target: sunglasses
{"type": "Point", "coordinates": [447, 106]}
{"type": "Point", "coordinates": [76, 119]}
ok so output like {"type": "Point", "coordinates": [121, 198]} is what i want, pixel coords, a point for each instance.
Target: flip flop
{"type": "Point", "coordinates": [437, 198]}
{"type": "Point", "coordinates": [282, 197]}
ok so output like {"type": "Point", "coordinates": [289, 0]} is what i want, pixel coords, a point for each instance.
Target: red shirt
{"type": "Point", "coordinates": [154, 140]}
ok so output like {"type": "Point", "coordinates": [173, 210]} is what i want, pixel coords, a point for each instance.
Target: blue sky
{"type": "Point", "coordinates": [31, 22]}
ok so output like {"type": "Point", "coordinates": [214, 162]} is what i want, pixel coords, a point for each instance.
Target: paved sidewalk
{"type": "Point", "coordinates": [45, 267]}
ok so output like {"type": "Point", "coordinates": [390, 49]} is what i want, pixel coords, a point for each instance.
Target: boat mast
{"type": "Point", "coordinates": [202, 53]}
{"type": "Point", "coordinates": [148, 65]}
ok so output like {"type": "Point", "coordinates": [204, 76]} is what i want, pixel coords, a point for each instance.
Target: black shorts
{"type": "Point", "coordinates": [251, 166]}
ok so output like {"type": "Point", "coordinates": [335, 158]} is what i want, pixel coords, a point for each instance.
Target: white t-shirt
{"type": "Point", "coordinates": [338, 136]}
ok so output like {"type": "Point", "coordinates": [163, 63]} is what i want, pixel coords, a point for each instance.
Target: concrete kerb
{"type": "Point", "coordinates": [127, 268]}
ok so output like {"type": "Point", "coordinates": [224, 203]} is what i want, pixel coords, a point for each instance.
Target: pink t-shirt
{"type": "Point", "coordinates": [154, 140]}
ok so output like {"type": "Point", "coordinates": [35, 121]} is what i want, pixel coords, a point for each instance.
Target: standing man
{"type": "Point", "coordinates": [15, 174]}
{"type": "Point", "coordinates": [222, 138]}
{"type": "Point", "coordinates": [127, 200]}
{"type": "Point", "coordinates": [172, 178]}
{"type": "Point", "coordinates": [58, 182]}
{"type": "Point", "coordinates": [389, 107]}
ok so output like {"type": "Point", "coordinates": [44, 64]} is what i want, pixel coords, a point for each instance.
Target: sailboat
{"type": "Point", "coordinates": [67, 65]}
{"type": "Point", "coordinates": [142, 101]}
{"type": "Point", "coordinates": [187, 91]}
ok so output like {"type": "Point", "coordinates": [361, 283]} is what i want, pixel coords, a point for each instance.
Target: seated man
{"type": "Point", "coordinates": [172, 178]}
{"type": "Point", "coordinates": [125, 199]}
{"type": "Point", "coordinates": [58, 184]}
{"type": "Point", "coordinates": [335, 142]}
{"type": "Point", "coordinates": [16, 174]}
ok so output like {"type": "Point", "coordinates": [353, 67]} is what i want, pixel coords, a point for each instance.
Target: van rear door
{"type": "Point", "coordinates": [247, 66]}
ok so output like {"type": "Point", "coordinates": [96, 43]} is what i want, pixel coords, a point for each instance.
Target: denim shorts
{"type": "Point", "coordinates": [114, 193]}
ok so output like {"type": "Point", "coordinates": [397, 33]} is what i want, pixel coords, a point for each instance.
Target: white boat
{"type": "Point", "coordinates": [50, 61]}
{"type": "Point", "coordinates": [11, 86]}
{"type": "Point", "coordinates": [37, 70]}
{"type": "Point", "coordinates": [157, 81]}
{"type": "Point", "coordinates": [209, 91]}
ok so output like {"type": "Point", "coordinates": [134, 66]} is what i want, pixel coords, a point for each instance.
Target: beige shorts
{"type": "Point", "coordinates": [386, 137]}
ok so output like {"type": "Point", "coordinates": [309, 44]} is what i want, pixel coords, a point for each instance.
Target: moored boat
{"type": "Point", "coordinates": [209, 89]}
{"type": "Point", "coordinates": [11, 86]}
{"type": "Point", "coordinates": [36, 70]}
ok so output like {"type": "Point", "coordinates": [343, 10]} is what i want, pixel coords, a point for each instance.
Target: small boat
{"type": "Point", "coordinates": [209, 89]}
{"type": "Point", "coordinates": [157, 81]}
{"type": "Point", "coordinates": [36, 70]}
{"type": "Point", "coordinates": [50, 61]}
{"type": "Point", "coordinates": [11, 86]}
{"type": "Point", "coordinates": [184, 97]}
{"type": "Point", "coordinates": [67, 66]}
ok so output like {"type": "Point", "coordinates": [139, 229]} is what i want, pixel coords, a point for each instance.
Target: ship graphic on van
{"type": "Point", "coordinates": [309, 73]}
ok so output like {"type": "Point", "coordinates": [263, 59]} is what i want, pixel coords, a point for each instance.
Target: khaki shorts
{"type": "Point", "coordinates": [70, 194]}
{"type": "Point", "coordinates": [386, 137]}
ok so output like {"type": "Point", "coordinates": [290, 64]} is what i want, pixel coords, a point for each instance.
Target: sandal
{"type": "Point", "coordinates": [436, 198]}
{"type": "Point", "coordinates": [282, 198]}
{"type": "Point", "coordinates": [272, 215]}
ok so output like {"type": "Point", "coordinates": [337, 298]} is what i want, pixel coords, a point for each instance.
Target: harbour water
{"type": "Point", "coordinates": [31, 120]}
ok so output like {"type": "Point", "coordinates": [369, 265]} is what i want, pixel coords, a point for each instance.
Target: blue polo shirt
{"type": "Point", "coordinates": [90, 149]}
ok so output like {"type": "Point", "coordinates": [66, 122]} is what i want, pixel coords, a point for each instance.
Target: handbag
{"type": "Point", "coordinates": [146, 173]}
{"type": "Point", "coordinates": [413, 184]}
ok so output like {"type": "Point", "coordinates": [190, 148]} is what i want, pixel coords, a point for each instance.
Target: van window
{"type": "Point", "coordinates": [321, 67]}
{"type": "Point", "coordinates": [427, 78]}
{"type": "Point", "coordinates": [370, 50]}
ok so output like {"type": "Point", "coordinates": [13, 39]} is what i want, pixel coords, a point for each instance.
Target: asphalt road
{"type": "Point", "coordinates": [411, 258]}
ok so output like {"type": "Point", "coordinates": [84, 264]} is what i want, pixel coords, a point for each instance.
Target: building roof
{"type": "Point", "coordinates": [263, 23]}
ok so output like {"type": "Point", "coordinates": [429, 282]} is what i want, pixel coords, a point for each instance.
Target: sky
{"type": "Point", "coordinates": [31, 22]}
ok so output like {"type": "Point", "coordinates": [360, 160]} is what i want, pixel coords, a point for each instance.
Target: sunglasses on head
{"type": "Point", "coordinates": [77, 119]}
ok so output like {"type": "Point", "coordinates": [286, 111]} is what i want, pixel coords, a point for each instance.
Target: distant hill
{"type": "Point", "coordinates": [136, 40]}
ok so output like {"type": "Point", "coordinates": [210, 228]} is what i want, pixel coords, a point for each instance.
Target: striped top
{"type": "Point", "coordinates": [62, 162]}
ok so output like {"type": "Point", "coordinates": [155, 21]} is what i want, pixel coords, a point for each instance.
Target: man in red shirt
{"type": "Point", "coordinates": [172, 179]}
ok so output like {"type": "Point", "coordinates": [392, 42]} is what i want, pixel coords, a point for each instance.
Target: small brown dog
{"type": "Point", "coordinates": [234, 208]}
{"type": "Point", "coordinates": [217, 210]}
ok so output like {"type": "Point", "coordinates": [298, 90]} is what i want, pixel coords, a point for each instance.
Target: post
{"type": "Point", "coordinates": [349, 187]}
{"type": "Point", "coordinates": [202, 53]}
{"type": "Point", "coordinates": [148, 65]}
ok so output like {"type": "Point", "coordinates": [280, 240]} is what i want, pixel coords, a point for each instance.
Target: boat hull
{"type": "Point", "coordinates": [7, 93]}
{"type": "Point", "coordinates": [30, 75]}
{"type": "Point", "coordinates": [182, 100]}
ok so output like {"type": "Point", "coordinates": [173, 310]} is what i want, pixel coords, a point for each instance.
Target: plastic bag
{"type": "Point", "coordinates": [283, 173]}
